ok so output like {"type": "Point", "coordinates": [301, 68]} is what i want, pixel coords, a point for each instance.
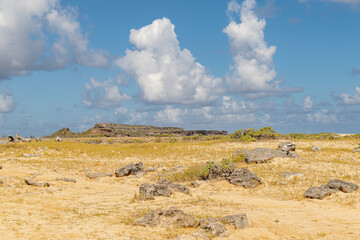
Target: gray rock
{"type": "Point", "coordinates": [65, 179]}
{"type": "Point", "coordinates": [150, 169]}
{"type": "Point", "coordinates": [166, 218]}
{"type": "Point", "coordinates": [36, 183]}
{"type": "Point", "coordinates": [218, 170]}
{"type": "Point", "coordinates": [287, 147]}
{"type": "Point", "coordinates": [161, 188]}
{"type": "Point", "coordinates": [214, 227]}
{"type": "Point", "coordinates": [319, 192]}
{"type": "Point", "coordinates": [315, 149]}
{"type": "Point", "coordinates": [238, 220]}
{"type": "Point", "coordinates": [58, 139]}
{"type": "Point", "coordinates": [245, 178]}
{"type": "Point", "coordinates": [177, 168]}
{"type": "Point", "coordinates": [343, 186]}
{"type": "Point", "coordinates": [291, 175]}
{"type": "Point", "coordinates": [262, 155]}
{"type": "Point", "coordinates": [31, 155]}
{"type": "Point", "coordinates": [131, 169]}
{"type": "Point", "coordinates": [98, 175]}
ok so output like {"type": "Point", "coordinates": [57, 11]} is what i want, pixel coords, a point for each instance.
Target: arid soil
{"type": "Point", "coordinates": [104, 208]}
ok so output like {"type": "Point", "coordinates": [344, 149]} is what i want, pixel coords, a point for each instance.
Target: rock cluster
{"type": "Point", "coordinates": [161, 188]}
{"type": "Point", "coordinates": [131, 169]}
{"type": "Point", "coordinates": [332, 186]}
{"type": "Point", "coordinates": [209, 227]}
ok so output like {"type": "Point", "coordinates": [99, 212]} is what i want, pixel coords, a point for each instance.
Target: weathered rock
{"type": "Point", "coordinates": [36, 183]}
{"type": "Point", "coordinates": [177, 168]}
{"type": "Point", "coordinates": [245, 178]}
{"type": "Point", "coordinates": [65, 179]}
{"type": "Point", "coordinates": [11, 138]}
{"type": "Point", "coordinates": [214, 227]}
{"type": "Point", "coordinates": [131, 169]}
{"type": "Point", "coordinates": [167, 218]}
{"type": "Point", "coordinates": [1, 181]}
{"type": "Point", "coordinates": [195, 184]}
{"type": "Point", "coordinates": [214, 170]}
{"type": "Point", "coordinates": [19, 138]}
{"type": "Point", "coordinates": [315, 149]}
{"type": "Point", "coordinates": [98, 175]}
{"type": "Point", "coordinates": [287, 147]}
{"type": "Point", "coordinates": [343, 186]}
{"type": "Point", "coordinates": [291, 175]}
{"type": "Point", "coordinates": [262, 155]}
{"type": "Point", "coordinates": [161, 188]}
{"type": "Point", "coordinates": [31, 155]}
{"type": "Point", "coordinates": [150, 169]}
{"type": "Point", "coordinates": [58, 139]}
{"type": "Point", "coordinates": [238, 220]}
{"type": "Point", "coordinates": [292, 155]}
{"type": "Point", "coordinates": [319, 192]}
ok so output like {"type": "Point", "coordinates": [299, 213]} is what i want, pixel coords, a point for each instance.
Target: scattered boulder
{"type": "Point", "coordinates": [58, 139]}
{"type": "Point", "coordinates": [214, 170]}
{"type": "Point", "coordinates": [150, 169]}
{"type": "Point", "coordinates": [287, 147]}
{"type": "Point", "coordinates": [238, 220]}
{"type": "Point", "coordinates": [319, 192]}
{"type": "Point", "coordinates": [332, 186]}
{"type": "Point", "coordinates": [131, 169]}
{"type": "Point", "coordinates": [11, 138]}
{"type": "Point", "coordinates": [98, 175]}
{"type": "Point", "coordinates": [65, 179]}
{"type": "Point", "coordinates": [245, 178]}
{"type": "Point", "coordinates": [19, 138]}
{"type": "Point", "coordinates": [262, 155]}
{"type": "Point", "coordinates": [36, 183]}
{"type": "Point", "coordinates": [167, 218]}
{"type": "Point", "coordinates": [343, 186]}
{"type": "Point", "coordinates": [315, 149]}
{"type": "Point", "coordinates": [161, 188]}
{"type": "Point", "coordinates": [31, 155]}
{"type": "Point", "coordinates": [291, 175]}
{"type": "Point", "coordinates": [215, 228]}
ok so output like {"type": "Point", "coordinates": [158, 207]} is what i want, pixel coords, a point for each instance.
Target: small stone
{"type": "Point", "coordinates": [277, 220]}
{"type": "Point", "coordinates": [65, 179]}
{"type": "Point", "coordinates": [36, 183]}
{"type": "Point", "coordinates": [58, 139]}
{"type": "Point", "coordinates": [31, 155]}
{"type": "Point", "coordinates": [195, 184]}
{"type": "Point", "coordinates": [315, 149]}
{"type": "Point", "coordinates": [131, 169]}
{"type": "Point", "coordinates": [98, 175]}
{"type": "Point", "coordinates": [150, 169]}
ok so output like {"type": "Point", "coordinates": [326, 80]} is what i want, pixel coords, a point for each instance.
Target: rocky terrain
{"type": "Point", "coordinates": [124, 130]}
{"type": "Point", "coordinates": [218, 189]}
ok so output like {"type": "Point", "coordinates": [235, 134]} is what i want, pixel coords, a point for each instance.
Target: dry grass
{"type": "Point", "coordinates": [104, 208]}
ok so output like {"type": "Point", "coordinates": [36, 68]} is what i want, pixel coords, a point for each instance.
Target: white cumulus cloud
{"type": "Point", "coordinates": [322, 116]}
{"type": "Point", "coordinates": [7, 103]}
{"type": "Point", "coordinates": [349, 99]}
{"type": "Point", "coordinates": [308, 103]}
{"type": "Point", "coordinates": [165, 72]}
{"type": "Point", "coordinates": [103, 94]}
{"type": "Point", "coordinates": [169, 115]}
{"type": "Point", "coordinates": [41, 35]}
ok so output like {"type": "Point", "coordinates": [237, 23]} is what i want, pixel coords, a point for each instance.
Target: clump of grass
{"type": "Point", "coordinates": [190, 174]}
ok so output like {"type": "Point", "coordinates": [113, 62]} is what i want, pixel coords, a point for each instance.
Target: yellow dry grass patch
{"type": "Point", "coordinates": [104, 208]}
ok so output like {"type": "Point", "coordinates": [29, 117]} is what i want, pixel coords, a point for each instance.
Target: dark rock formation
{"type": "Point", "coordinates": [245, 178]}
{"type": "Point", "coordinates": [343, 186]}
{"type": "Point", "coordinates": [161, 188]}
{"type": "Point", "coordinates": [167, 218]}
{"type": "Point", "coordinates": [131, 169]}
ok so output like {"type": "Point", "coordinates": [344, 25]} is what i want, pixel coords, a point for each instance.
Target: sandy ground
{"type": "Point", "coordinates": [104, 208]}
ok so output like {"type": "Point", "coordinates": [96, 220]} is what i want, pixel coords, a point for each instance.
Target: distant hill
{"type": "Point", "coordinates": [124, 130]}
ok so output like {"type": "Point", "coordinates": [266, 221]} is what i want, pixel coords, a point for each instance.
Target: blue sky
{"type": "Point", "coordinates": [206, 64]}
